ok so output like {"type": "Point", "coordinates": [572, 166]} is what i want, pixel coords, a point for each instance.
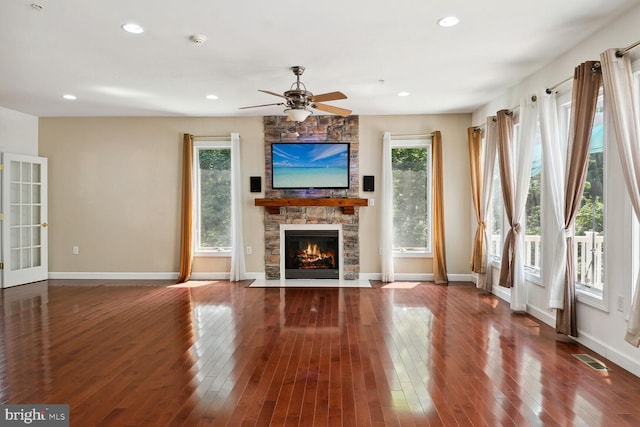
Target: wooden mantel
{"type": "Point", "coordinates": [347, 204]}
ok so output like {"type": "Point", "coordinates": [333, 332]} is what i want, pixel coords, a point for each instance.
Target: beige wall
{"type": "Point", "coordinates": [457, 189]}
{"type": "Point", "coordinates": [114, 190]}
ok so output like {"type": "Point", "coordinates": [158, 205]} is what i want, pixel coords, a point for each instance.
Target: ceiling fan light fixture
{"type": "Point", "coordinates": [297, 114]}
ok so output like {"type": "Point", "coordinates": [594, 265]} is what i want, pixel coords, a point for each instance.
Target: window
{"type": "Point", "coordinates": [533, 232]}
{"type": "Point", "coordinates": [589, 226]}
{"type": "Point", "coordinates": [589, 238]}
{"type": "Point", "coordinates": [411, 172]}
{"type": "Point", "coordinates": [212, 197]}
{"type": "Point", "coordinates": [497, 214]}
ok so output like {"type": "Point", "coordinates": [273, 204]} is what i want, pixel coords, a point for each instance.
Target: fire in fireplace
{"type": "Point", "coordinates": [311, 254]}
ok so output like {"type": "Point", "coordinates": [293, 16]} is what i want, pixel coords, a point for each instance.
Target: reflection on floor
{"type": "Point", "coordinates": [310, 283]}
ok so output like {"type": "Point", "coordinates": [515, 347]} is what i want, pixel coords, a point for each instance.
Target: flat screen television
{"type": "Point", "coordinates": [310, 165]}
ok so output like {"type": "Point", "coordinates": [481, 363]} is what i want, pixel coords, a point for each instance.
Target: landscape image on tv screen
{"type": "Point", "coordinates": [310, 165]}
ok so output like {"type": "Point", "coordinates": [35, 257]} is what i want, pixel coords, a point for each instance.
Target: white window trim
{"type": "Point", "coordinates": [203, 145]}
{"type": "Point", "coordinates": [419, 143]}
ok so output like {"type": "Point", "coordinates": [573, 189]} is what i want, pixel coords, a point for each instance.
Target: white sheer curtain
{"type": "Point", "coordinates": [553, 236]}
{"type": "Point", "coordinates": [238, 270]}
{"type": "Point", "coordinates": [622, 116]}
{"type": "Point", "coordinates": [386, 214]}
{"type": "Point", "coordinates": [484, 279]}
{"type": "Point", "coordinates": [528, 120]}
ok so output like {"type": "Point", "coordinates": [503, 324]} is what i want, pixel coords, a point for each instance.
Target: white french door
{"type": "Point", "coordinates": [24, 219]}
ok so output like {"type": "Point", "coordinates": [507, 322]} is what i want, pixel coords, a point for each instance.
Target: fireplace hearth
{"type": "Point", "coordinates": [311, 254]}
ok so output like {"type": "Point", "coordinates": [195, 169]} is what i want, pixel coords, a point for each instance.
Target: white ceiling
{"type": "Point", "coordinates": [368, 49]}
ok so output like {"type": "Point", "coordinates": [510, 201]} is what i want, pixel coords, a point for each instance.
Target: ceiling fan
{"type": "Point", "coordinates": [298, 99]}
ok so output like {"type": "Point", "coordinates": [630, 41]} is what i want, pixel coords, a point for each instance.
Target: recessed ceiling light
{"type": "Point", "coordinates": [403, 93]}
{"type": "Point", "coordinates": [70, 97]}
{"type": "Point", "coordinates": [211, 96]}
{"type": "Point", "coordinates": [448, 21]}
{"type": "Point", "coordinates": [132, 28]}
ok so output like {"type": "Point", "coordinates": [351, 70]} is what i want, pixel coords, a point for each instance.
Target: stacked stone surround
{"type": "Point", "coordinates": [314, 129]}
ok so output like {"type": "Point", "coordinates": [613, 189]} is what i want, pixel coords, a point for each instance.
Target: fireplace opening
{"type": "Point", "coordinates": [311, 254]}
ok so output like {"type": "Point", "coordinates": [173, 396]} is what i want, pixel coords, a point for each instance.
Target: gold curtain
{"type": "Point", "coordinates": [587, 79]}
{"type": "Point", "coordinates": [477, 251]}
{"type": "Point", "coordinates": [439, 256]}
{"type": "Point", "coordinates": [186, 224]}
{"type": "Point", "coordinates": [505, 157]}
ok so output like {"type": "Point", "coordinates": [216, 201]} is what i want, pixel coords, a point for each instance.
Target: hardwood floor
{"type": "Point", "coordinates": [219, 353]}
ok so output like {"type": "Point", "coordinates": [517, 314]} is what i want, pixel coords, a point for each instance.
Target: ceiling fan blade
{"type": "Point", "coordinates": [329, 96]}
{"type": "Point", "coordinates": [331, 109]}
{"type": "Point", "coordinates": [262, 105]}
{"type": "Point", "coordinates": [272, 93]}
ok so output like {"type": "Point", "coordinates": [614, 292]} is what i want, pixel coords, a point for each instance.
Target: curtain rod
{"type": "Point", "coordinates": [533, 98]}
{"type": "Point", "coordinates": [212, 137]}
{"type": "Point", "coordinates": [484, 125]}
{"type": "Point", "coordinates": [621, 52]}
{"type": "Point", "coordinates": [419, 135]}
{"type": "Point", "coordinates": [549, 90]}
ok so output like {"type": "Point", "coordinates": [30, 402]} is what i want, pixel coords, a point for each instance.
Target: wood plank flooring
{"type": "Point", "coordinates": [220, 353]}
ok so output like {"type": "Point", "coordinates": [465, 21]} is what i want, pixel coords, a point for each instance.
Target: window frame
{"type": "Point", "coordinates": [584, 295]}
{"type": "Point", "coordinates": [635, 224]}
{"type": "Point", "coordinates": [419, 143]}
{"type": "Point", "coordinates": [494, 258]}
{"type": "Point", "coordinates": [199, 145]}
{"type": "Point", "coordinates": [533, 274]}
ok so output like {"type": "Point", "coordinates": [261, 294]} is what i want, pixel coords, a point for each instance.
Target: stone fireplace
{"type": "Point", "coordinates": [314, 129]}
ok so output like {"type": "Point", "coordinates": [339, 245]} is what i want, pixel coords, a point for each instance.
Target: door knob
{"type": "Point", "coordinates": [44, 224]}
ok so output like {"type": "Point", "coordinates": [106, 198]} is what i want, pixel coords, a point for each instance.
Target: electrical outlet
{"type": "Point", "coordinates": [249, 250]}
{"type": "Point", "coordinates": [75, 250]}
{"type": "Point", "coordinates": [372, 202]}
{"type": "Point", "coordinates": [620, 303]}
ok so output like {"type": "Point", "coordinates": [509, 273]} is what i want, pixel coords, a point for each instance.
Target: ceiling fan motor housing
{"type": "Point", "coordinates": [297, 98]}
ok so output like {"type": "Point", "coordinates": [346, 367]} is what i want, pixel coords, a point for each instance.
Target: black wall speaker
{"type": "Point", "coordinates": [255, 183]}
{"type": "Point", "coordinates": [367, 183]}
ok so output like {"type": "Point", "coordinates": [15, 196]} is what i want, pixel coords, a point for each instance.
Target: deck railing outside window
{"type": "Point", "coordinates": [588, 251]}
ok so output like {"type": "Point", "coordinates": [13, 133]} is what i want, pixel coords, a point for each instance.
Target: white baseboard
{"type": "Point", "coordinates": [546, 317]}
{"type": "Point", "coordinates": [502, 293]}
{"type": "Point", "coordinates": [94, 275]}
{"type": "Point", "coordinates": [460, 277]}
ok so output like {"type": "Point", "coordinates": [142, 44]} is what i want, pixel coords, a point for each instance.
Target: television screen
{"type": "Point", "coordinates": [310, 165]}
